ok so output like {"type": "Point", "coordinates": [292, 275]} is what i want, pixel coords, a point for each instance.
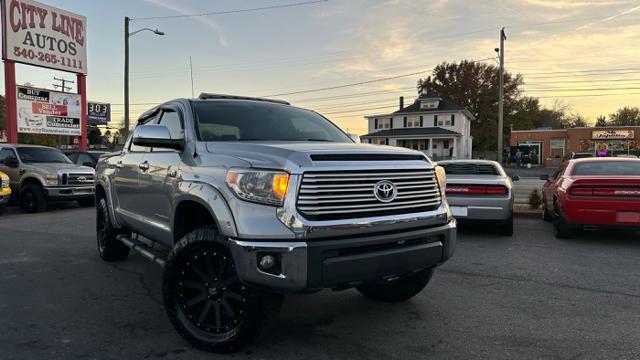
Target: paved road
{"type": "Point", "coordinates": [526, 297]}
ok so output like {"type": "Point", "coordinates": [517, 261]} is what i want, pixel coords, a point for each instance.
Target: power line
{"type": "Point", "coordinates": [587, 89]}
{"type": "Point", "coordinates": [232, 11]}
{"type": "Point", "coordinates": [358, 110]}
{"type": "Point", "coordinates": [585, 95]}
{"type": "Point", "coordinates": [581, 71]}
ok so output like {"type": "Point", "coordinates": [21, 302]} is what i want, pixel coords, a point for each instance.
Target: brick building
{"type": "Point", "coordinates": [548, 146]}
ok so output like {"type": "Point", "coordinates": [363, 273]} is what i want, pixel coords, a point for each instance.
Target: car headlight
{"type": "Point", "coordinates": [52, 180]}
{"type": "Point", "coordinates": [262, 186]}
{"type": "Point", "coordinates": [442, 178]}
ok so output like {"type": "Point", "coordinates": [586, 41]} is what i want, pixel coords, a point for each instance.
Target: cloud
{"type": "Point", "coordinates": [201, 19]}
{"type": "Point", "coordinates": [609, 18]}
{"type": "Point", "coordinates": [553, 4]}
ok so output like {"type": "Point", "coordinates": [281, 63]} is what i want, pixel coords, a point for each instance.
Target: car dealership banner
{"type": "Point", "coordinates": [48, 112]}
{"type": "Point", "coordinates": [42, 35]}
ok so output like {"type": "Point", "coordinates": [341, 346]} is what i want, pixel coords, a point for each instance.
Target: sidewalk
{"type": "Point", "coordinates": [534, 172]}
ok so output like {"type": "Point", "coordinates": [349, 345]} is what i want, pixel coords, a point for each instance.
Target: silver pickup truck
{"type": "Point", "coordinates": [39, 174]}
{"type": "Point", "coordinates": [242, 200]}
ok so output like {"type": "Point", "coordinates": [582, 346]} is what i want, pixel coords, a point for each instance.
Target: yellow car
{"type": "Point", "coordinates": [5, 190]}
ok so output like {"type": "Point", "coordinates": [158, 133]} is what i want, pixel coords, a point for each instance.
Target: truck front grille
{"type": "Point", "coordinates": [77, 179]}
{"type": "Point", "coordinates": [351, 194]}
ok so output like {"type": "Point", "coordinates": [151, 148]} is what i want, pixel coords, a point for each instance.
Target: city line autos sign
{"type": "Point", "coordinates": [612, 134]}
{"type": "Point", "coordinates": [42, 35]}
{"type": "Point", "coordinates": [48, 112]}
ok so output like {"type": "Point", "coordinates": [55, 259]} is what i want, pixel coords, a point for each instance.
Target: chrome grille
{"type": "Point", "coordinates": [77, 179]}
{"type": "Point", "coordinates": [348, 194]}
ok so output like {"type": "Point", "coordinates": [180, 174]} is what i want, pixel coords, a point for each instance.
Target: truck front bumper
{"type": "Point", "coordinates": [69, 192]}
{"type": "Point", "coordinates": [342, 262]}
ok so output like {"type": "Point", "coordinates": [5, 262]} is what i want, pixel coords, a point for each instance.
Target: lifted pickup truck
{"type": "Point", "coordinates": [39, 174]}
{"type": "Point", "coordinates": [253, 199]}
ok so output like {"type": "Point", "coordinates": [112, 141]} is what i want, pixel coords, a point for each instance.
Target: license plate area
{"type": "Point", "coordinates": [459, 211]}
{"type": "Point", "coordinates": [628, 217]}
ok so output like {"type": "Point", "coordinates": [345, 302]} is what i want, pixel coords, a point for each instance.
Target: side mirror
{"type": "Point", "coordinates": [156, 136]}
{"type": "Point", "coordinates": [544, 177]}
{"type": "Point", "coordinates": [354, 137]}
{"type": "Point", "coordinates": [515, 178]}
{"type": "Point", "coordinates": [11, 162]}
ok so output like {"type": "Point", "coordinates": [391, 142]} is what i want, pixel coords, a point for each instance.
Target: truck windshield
{"type": "Point", "coordinates": [42, 155]}
{"type": "Point", "coordinates": [245, 120]}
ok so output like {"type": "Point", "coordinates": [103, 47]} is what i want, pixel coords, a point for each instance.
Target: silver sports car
{"type": "Point", "coordinates": [480, 190]}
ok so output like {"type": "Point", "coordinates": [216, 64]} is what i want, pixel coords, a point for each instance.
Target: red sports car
{"type": "Point", "coordinates": [593, 193]}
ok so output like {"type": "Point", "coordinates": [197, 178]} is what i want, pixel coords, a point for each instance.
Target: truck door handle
{"type": "Point", "coordinates": [119, 164]}
{"type": "Point", "coordinates": [144, 166]}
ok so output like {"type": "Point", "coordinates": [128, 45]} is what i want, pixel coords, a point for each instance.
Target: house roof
{"type": "Point", "coordinates": [443, 105]}
{"type": "Point", "coordinates": [417, 131]}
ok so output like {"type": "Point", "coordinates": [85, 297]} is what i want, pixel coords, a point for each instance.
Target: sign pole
{"type": "Point", "coordinates": [82, 90]}
{"type": "Point", "coordinates": [10, 101]}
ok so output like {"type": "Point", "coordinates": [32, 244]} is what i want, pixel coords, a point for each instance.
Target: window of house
{"type": "Point", "coordinates": [446, 144]}
{"type": "Point", "coordinates": [383, 124]}
{"type": "Point", "coordinates": [444, 120]}
{"type": "Point", "coordinates": [413, 121]}
{"type": "Point", "coordinates": [557, 148]}
{"type": "Point", "coordinates": [379, 141]}
{"type": "Point", "coordinates": [428, 104]}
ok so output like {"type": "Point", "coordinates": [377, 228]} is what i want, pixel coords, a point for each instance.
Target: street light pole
{"type": "Point", "coordinates": [126, 76]}
{"type": "Point", "coordinates": [501, 100]}
{"type": "Point", "coordinates": [127, 35]}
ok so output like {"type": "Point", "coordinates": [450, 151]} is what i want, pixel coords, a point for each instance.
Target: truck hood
{"type": "Point", "coordinates": [60, 168]}
{"type": "Point", "coordinates": [293, 155]}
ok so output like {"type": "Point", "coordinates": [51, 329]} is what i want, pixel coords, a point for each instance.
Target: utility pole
{"type": "Point", "coordinates": [191, 70]}
{"type": "Point", "coordinates": [501, 100]}
{"type": "Point", "coordinates": [126, 76]}
{"type": "Point", "coordinates": [63, 87]}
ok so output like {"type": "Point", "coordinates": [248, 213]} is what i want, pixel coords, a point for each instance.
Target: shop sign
{"type": "Point", "coordinates": [612, 134]}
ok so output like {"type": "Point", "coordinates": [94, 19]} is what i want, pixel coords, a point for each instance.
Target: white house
{"type": "Point", "coordinates": [437, 127]}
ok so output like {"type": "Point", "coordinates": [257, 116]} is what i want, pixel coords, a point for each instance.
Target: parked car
{"type": "Point", "coordinates": [480, 190]}
{"type": "Point", "coordinates": [39, 174]}
{"type": "Point", "coordinates": [257, 198]}
{"type": "Point", "coordinates": [576, 155]}
{"type": "Point", "coordinates": [593, 193]}
{"type": "Point", "coordinates": [85, 158]}
{"type": "Point", "coordinates": [5, 190]}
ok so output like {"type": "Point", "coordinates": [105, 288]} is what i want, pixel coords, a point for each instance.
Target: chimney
{"type": "Point", "coordinates": [401, 102]}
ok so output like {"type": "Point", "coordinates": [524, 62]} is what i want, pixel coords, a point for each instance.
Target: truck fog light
{"type": "Point", "coordinates": [267, 261]}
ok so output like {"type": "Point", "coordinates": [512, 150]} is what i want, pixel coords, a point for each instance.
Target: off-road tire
{"type": "Point", "coordinates": [87, 202]}
{"type": "Point", "coordinates": [109, 247]}
{"type": "Point", "coordinates": [397, 290]}
{"type": "Point", "coordinates": [204, 300]}
{"type": "Point", "coordinates": [506, 228]}
{"type": "Point", "coordinates": [32, 198]}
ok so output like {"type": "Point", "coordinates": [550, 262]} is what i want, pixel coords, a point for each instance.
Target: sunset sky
{"type": "Point", "coordinates": [583, 53]}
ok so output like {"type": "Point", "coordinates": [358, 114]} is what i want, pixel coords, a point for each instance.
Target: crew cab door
{"type": "Point", "coordinates": [127, 185]}
{"type": "Point", "coordinates": [158, 177]}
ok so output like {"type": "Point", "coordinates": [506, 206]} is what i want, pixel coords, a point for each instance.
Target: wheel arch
{"type": "Point", "coordinates": [199, 206]}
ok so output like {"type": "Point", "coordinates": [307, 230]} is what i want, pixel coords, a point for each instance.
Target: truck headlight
{"type": "Point", "coordinates": [52, 180]}
{"type": "Point", "coordinates": [4, 181]}
{"type": "Point", "coordinates": [262, 186]}
{"type": "Point", "coordinates": [441, 175]}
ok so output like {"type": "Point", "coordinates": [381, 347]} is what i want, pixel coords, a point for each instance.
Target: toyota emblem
{"type": "Point", "coordinates": [385, 191]}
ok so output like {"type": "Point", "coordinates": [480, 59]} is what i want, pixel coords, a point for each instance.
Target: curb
{"type": "Point", "coordinates": [530, 214]}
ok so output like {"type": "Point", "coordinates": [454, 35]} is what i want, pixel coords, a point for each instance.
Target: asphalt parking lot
{"type": "Point", "coordinates": [526, 297]}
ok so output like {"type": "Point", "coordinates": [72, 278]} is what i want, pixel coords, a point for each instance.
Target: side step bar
{"type": "Point", "coordinates": [144, 249]}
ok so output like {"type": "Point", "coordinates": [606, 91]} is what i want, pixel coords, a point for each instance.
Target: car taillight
{"type": "Point", "coordinates": [477, 189]}
{"type": "Point", "coordinates": [605, 191]}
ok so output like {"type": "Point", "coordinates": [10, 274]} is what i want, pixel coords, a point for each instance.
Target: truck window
{"type": "Point", "coordinates": [173, 122]}
{"type": "Point", "coordinates": [239, 120]}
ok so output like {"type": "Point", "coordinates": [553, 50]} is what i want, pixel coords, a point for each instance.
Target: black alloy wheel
{"type": "Point", "coordinates": [211, 298]}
